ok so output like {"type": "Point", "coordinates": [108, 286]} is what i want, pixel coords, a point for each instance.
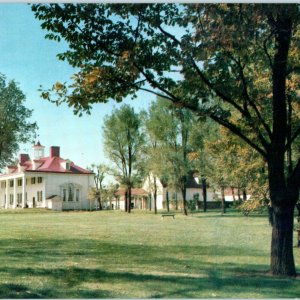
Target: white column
{"type": "Point", "coordinates": [44, 192]}
{"type": "Point", "coordinates": [15, 193]}
{"type": "Point", "coordinates": [6, 193]}
{"type": "Point", "coordinates": [23, 191]}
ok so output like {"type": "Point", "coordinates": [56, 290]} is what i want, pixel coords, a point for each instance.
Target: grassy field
{"type": "Point", "coordinates": [112, 254]}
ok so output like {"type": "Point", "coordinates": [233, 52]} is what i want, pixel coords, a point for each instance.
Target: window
{"type": "Point", "coordinates": [77, 195]}
{"type": "Point", "coordinates": [11, 199]}
{"type": "Point", "coordinates": [40, 196]}
{"type": "Point", "coordinates": [40, 179]}
{"type": "Point", "coordinates": [70, 196]}
{"type": "Point", "coordinates": [32, 180]}
{"type": "Point", "coordinates": [19, 182]}
{"type": "Point", "coordinates": [3, 184]}
{"type": "Point", "coordinates": [67, 165]}
{"type": "Point", "coordinates": [11, 183]}
{"type": "Point", "coordinates": [64, 194]}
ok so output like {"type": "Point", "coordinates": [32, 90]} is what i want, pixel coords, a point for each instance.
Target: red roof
{"type": "Point", "coordinates": [55, 164]}
{"type": "Point", "coordinates": [134, 192]}
{"type": "Point", "coordinates": [52, 165]}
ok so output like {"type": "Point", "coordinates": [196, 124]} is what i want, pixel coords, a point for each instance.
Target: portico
{"type": "Point", "coordinates": [21, 190]}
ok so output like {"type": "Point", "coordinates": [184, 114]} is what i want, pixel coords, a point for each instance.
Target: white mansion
{"type": "Point", "coordinates": [48, 182]}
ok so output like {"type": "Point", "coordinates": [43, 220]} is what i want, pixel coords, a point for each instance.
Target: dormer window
{"type": "Point", "coordinates": [68, 165]}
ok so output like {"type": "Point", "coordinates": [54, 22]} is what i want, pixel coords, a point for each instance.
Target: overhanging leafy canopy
{"type": "Point", "coordinates": [218, 60]}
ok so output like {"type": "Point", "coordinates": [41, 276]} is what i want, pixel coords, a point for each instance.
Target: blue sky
{"type": "Point", "coordinates": [28, 58]}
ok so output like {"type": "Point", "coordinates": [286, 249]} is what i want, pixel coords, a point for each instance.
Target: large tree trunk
{"type": "Point", "coordinates": [283, 192]}
{"type": "Point", "coordinates": [283, 200]}
{"type": "Point", "coordinates": [284, 195]}
{"type": "Point", "coordinates": [282, 258]}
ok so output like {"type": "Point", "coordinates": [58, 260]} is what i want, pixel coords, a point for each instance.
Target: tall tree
{"type": "Point", "coordinates": [161, 138]}
{"type": "Point", "coordinates": [239, 166]}
{"type": "Point", "coordinates": [168, 130]}
{"type": "Point", "coordinates": [241, 58]}
{"type": "Point", "coordinates": [15, 124]}
{"type": "Point", "coordinates": [100, 171]}
{"type": "Point", "coordinates": [108, 193]}
{"type": "Point", "coordinates": [122, 142]}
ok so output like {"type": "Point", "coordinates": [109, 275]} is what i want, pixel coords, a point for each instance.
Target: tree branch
{"type": "Point", "coordinates": [294, 179]}
{"type": "Point", "coordinates": [252, 104]}
{"type": "Point", "coordinates": [244, 111]}
{"type": "Point", "coordinates": [234, 129]}
{"type": "Point", "coordinates": [155, 93]}
{"type": "Point", "coordinates": [266, 50]}
{"type": "Point", "coordinates": [294, 136]}
{"type": "Point", "coordinates": [202, 76]}
{"type": "Point", "coordinates": [292, 70]}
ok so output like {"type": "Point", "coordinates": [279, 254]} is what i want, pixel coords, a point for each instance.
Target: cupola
{"type": "Point", "coordinates": [38, 151]}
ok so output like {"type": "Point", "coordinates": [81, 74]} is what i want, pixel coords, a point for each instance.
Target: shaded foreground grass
{"type": "Point", "coordinates": [112, 254]}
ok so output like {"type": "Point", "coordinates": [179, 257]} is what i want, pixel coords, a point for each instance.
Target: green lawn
{"type": "Point", "coordinates": [112, 254]}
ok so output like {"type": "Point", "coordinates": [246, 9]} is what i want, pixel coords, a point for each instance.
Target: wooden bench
{"type": "Point", "coordinates": [168, 215]}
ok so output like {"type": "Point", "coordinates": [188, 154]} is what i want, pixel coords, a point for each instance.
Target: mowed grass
{"type": "Point", "coordinates": [111, 254]}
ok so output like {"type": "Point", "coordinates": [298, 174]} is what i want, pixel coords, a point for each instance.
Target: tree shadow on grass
{"type": "Point", "coordinates": [157, 286]}
{"type": "Point", "coordinates": [214, 214]}
{"type": "Point", "coordinates": [56, 249]}
{"type": "Point", "coordinates": [167, 276]}
{"type": "Point", "coordinates": [21, 291]}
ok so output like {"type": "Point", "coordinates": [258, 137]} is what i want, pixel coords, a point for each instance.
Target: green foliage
{"type": "Point", "coordinates": [233, 163]}
{"type": "Point", "coordinates": [100, 172]}
{"type": "Point", "coordinates": [122, 143]}
{"type": "Point", "coordinates": [170, 133]}
{"type": "Point", "coordinates": [251, 206]}
{"type": "Point", "coordinates": [15, 126]}
{"type": "Point", "coordinates": [191, 205]}
{"type": "Point", "coordinates": [214, 59]}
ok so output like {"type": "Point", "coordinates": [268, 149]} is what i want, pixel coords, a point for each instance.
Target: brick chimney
{"type": "Point", "coordinates": [54, 151]}
{"type": "Point", "coordinates": [23, 158]}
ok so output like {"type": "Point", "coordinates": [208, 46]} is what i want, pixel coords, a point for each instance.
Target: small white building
{"type": "Point", "coordinates": [139, 199]}
{"type": "Point", "coordinates": [48, 182]}
{"type": "Point", "coordinates": [194, 190]}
